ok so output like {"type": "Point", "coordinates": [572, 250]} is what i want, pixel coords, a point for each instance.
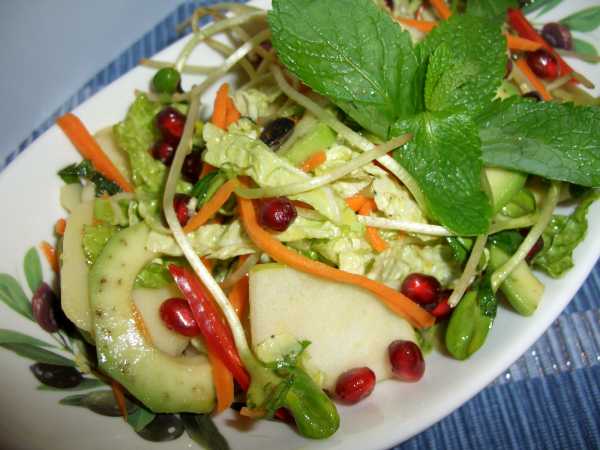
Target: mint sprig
{"type": "Point", "coordinates": [442, 90]}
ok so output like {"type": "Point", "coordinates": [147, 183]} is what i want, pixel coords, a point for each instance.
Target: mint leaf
{"type": "Point", "coordinates": [478, 50]}
{"type": "Point", "coordinates": [555, 141]}
{"type": "Point", "coordinates": [561, 236]}
{"type": "Point", "coordinates": [490, 8]}
{"type": "Point", "coordinates": [352, 52]}
{"type": "Point", "coordinates": [444, 158]}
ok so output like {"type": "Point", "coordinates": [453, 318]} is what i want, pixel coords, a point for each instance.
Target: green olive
{"type": "Point", "coordinates": [166, 81]}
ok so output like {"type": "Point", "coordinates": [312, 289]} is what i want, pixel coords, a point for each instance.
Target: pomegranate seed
{"type": "Point", "coordinates": [442, 309]}
{"type": "Point", "coordinates": [423, 289]}
{"type": "Point", "coordinates": [180, 203]}
{"type": "Point", "coordinates": [277, 213]}
{"type": "Point", "coordinates": [354, 385]}
{"type": "Point", "coordinates": [177, 316]}
{"type": "Point", "coordinates": [544, 64]}
{"type": "Point", "coordinates": [538, 246]}
{"type": "Point", "coordinates": [163, 151]}
{"type": "Point", "coordinates": [406, 360]}
{"type": "Point", "coordinates": [170, 122]}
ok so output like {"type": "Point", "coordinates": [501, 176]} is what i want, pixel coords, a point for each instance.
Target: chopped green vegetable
{"type": "Point", "coordinates": [74, 173]}
{"type": "Point", "coordinates": [469, 325]}
{"type": "Point", "coordinates": [561, 237]}
{"type": "Point", "coordinates": [206, 187]}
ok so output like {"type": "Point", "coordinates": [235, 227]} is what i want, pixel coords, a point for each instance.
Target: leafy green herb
{"type": "Point", "coordinates": [450, 178]}
{"type": "Point", "coordinates": [84, 170]}
{"type": "Point", "coordinates": [33, 269]}
{"type": "Point", "coordinates": [559, 141]}
{"type": "Point", "coordinates": [351, 52]}
{"type": "Point", "coordinates": [561, 237]}
{"type": "Point", "coordinates": [585, 20]}
{"type": "Point", "coordinates": [490, 8]}
{"type": "Point", "coordinates": [12, 294]}
{"type": "Point", "coordinates": [202, 430]}
{"type": "Point", "coordinates": [465, 71]}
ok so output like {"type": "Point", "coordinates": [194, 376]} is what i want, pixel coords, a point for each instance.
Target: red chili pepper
{"type": "Point", "coordinates": [519, 22]}
{"type": "Point", "coordinates": [217, 335]}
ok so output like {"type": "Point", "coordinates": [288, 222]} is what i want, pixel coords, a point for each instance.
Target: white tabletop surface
{"type": "Point", "coordinates": [50, 48]}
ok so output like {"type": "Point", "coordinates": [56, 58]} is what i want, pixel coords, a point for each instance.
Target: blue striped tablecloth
{"type": "Point", "coordinates": [548, 399]}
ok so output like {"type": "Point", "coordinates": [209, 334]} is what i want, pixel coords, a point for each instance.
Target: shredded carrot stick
{"type": "Point", "coordinates": [50, 253]}
{"type": "Point", "coordinates": [117, 390]}
{"type": "Point", "coordinates": [211, 207]}
{"type": "Point", "coordinates": [394, 300]}
{"type": "Point", "coordinates": [425, 26]}
{"type": "Point", "coordinates": [139, 323]}
{"type": "Point", "coordinates": [239, 296]}
{"type": "Point", "coordinates": [536, 83]}
{"type": "Point", "coordinates": [219, 117]}
{"type": "Point", "coordinates": [372, 234]}
{"type": "Point", "coordinates": [85, 144]}
{"type": "Point", "coordinates": [233, 115]}
{"type": "Point", "coordinates": [59, 227]}
{"type": "Point", "coordinates": [518, 43]}
{"type": "Point", "coordinates": [314, 161]}
{"type": "Point", "coordinates": [441, 8]}
{"type": "Point", "coordinates": [223, 381]}
{"type": "Point", "coordinates": [356, 202]}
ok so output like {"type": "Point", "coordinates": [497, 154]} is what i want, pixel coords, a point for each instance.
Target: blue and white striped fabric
{"type": "Point", "coordinates": [548, 399]}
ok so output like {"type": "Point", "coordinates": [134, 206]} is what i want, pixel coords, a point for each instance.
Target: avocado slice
{"type": "Point", "coordinates": [320, 138]}
{"type": "Point", "coordinates": [74, 296]}
{"type": "Point", "coordinates": [522, 289]}
{"type": "Point", "coordinates": [163, 383]}
{"type": "Point", "coordinates": [348, 327]}
{"type": "Point", "coordinates": [504, 184]}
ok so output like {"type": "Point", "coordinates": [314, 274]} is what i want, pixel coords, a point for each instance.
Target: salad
{"type": "Point", "coordinates": [375, 185]}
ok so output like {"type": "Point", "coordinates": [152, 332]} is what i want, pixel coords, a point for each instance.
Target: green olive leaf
{"type": "Point", "coordinates": [12, 294]}
{"type": "Point", "coordinates": [585, 20]}
{"type": "Point", "coordinates": [33, 269]}
{"type": "Point", "coordinates": [201, 429]}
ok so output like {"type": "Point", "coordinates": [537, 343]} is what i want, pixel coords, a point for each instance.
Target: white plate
{"type": "Point", "coordinates": [29, 194]}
